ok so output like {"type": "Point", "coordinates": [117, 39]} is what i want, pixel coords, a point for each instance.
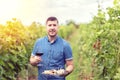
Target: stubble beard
{"type": "Point", "coordinates": [52, 33]}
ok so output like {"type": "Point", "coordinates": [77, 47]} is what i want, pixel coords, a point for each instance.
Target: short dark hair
{"type": "Point", "coordinates": [51, 19]}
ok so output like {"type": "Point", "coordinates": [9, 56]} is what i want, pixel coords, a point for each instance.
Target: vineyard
{"type": "Point", "coordinates": [95, 45]}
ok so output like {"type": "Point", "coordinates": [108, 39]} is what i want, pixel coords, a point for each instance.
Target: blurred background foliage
{"type": "Point", "coordinates": [95, 46]}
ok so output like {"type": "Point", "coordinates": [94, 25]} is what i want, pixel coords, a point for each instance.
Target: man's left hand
{"type": "Point", "coordinates": [62, 72]}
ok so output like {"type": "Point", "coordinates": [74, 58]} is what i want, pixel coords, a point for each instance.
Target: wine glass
{"type": "Point", "coordinates": [39, 54]}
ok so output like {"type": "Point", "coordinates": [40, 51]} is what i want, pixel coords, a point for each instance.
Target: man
{"type": "Point", "coordinates": [57, 60]}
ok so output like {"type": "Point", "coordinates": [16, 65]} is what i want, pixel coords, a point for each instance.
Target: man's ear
{"type": "Point", "coordinates": [59, 27]}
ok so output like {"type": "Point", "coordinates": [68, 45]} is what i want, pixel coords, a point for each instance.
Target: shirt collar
{"type": "Point", "coordinates": [54, 41]}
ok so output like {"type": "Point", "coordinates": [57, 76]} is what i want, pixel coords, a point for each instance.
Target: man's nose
{"type": "Point", "coordinates": [52, 27]}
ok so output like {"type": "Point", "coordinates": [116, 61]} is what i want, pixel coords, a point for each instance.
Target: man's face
{"type": "Point", "coordinates": [52, 28]}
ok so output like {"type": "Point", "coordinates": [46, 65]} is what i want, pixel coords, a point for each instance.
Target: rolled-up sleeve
{"type": "Point", "coordinates": [35, 48]}
{"type": "Point", "coordinates": [67, 51]}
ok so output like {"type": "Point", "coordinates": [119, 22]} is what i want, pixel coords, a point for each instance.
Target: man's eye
{"type": "Point", "coordinates": [54, 24]}
{"type": "Point", "coordinates": [49, 25]}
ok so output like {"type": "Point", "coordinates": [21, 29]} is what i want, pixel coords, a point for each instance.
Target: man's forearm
{"type": "Point", "coordinates": [32, 61]}
{"type": "Point", "coordinates": [69, 68]}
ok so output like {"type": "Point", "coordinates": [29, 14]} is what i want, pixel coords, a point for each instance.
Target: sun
{"type": "Point", "coordinates": [8, 9]}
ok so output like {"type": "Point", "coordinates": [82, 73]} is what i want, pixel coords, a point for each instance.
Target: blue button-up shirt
{"type": "Point", "coordinates": [54, 56]}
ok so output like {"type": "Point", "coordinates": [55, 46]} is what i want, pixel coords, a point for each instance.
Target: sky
{"type": "Point", "coordinates": [28, 11]}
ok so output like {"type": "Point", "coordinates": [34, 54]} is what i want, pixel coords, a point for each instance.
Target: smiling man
{"type": "Point", "coordinates": [57, 60]}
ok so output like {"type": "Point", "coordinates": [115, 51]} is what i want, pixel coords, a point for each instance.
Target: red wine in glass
{"type": "Point", "coordinates": [39, 54]}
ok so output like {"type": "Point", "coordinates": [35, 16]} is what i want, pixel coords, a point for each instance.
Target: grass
{"type": "Point", "coordinates": [74, 40]}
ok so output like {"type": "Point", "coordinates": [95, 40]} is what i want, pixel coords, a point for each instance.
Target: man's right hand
{"type": "Point", "coordinates": [34, 60]}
